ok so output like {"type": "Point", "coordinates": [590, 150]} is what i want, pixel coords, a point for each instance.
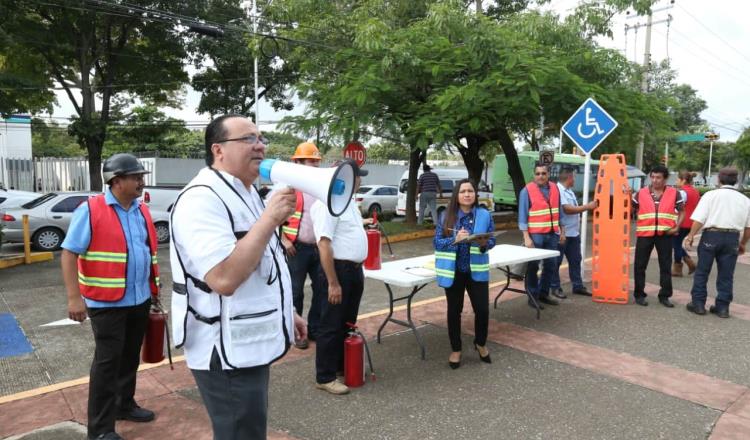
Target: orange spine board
{"type": "Point", "coordinates": [611, 238]}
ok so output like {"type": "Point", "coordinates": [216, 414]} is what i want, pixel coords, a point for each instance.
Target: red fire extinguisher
{"type": "Point", "coordinates": [355, 347]}
{"type": "Point", "coordinates": [372, 262]}
{"type": "Point", "coordinates": [157, 332]}
{"type": "Point", "coordinates": [374, 231]}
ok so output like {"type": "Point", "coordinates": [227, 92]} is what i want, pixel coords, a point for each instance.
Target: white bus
{"type": "Point", "coordinates": [448, 179]}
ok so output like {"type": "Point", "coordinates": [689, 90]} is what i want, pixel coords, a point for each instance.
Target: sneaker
{"type": "Point", "coordinates": [302, 344]}
{"type": "Point", "coordinates": [108, 436]}
{"type": "Point", "coordinates": [558, 292]}
{"type": "Point", "coordinates": [333, 387]}
{"type": "Point", "coordinates": [136, 414]}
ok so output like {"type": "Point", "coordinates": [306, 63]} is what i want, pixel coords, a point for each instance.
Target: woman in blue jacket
{"type": "Point", "coordinates": [464, 267]}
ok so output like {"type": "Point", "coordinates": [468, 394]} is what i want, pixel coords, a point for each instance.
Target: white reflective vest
{"type": "Point", "coordinates": [254, 326]}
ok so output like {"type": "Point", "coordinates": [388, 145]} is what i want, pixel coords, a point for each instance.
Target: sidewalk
{"type": "Point", "coordinates": [585, 370]}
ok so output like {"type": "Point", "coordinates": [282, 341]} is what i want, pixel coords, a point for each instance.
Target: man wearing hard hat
{"type": "Point", "coordinates": [298, 239]}
{"type": "Point", "coordinates": [109, 259]}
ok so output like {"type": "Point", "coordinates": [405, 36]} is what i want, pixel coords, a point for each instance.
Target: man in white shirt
{"type": "Point", "coordinates": [724, 217]}
{"type": "Point", "coordinates": [342, 243]}
{"type": "Point", "coordinates": [232, 298]}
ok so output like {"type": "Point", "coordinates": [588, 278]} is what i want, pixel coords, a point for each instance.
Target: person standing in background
{"type": "Point", "coordinates": [428, 188]}
{"type": "Point", "coordinates": [691, 196]}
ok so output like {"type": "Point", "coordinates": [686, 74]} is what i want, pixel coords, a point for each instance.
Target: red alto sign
{"type": "Point", "coordinates": [356, 151]}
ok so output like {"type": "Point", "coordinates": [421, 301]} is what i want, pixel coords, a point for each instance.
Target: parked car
{"type": "Point", "coordinates": [376, 198]}
{"type": "Point", "coordinates": [49, 219]}
{"type": "Point", "coordinates": [160, 198]}
{"type": "Point", "coordinates": [13, 199]}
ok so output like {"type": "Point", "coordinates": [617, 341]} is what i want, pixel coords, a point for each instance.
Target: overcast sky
{"type": "Point", "coordinates": [707, 42]}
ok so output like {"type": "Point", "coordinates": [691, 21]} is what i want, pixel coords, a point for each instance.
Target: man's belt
{"type": "Point", "coordinates": [734, 231]}
{"type": "Point", "coordinates": [347, 263]}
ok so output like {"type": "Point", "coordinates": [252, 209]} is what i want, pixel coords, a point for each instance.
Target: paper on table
{"type": "Point", "coordinates": [473, 237]}
{"type": "Point", "coordinates": [420, 271]}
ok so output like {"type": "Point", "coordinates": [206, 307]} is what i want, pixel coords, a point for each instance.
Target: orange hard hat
{"type": "Point", "coordinates": [306, 150]}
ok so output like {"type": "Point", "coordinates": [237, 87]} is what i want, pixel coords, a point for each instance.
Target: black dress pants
{"type": "Point", "coordinates": [643, 248]}
{"type": "Point", "coordinates": [329, 353]}
{"type": "Point", "coordinates": [479, 296]}
{"type": "Point", "coordinates": [118, 335]}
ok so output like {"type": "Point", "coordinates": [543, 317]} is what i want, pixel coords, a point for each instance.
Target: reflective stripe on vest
{"type": "Point", "coordinates": [544, 216]}
{"type": "Point", "coordinates": [652, 222]}
{"type": "Point", "coordinates": [102, 269]}
{"type": "Point", "coordinates": [291, 228]}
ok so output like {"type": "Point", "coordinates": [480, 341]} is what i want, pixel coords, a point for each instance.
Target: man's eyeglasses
{"type": "Point", "coordinates": [541, 174]}
{"type": "Point", "coordinates": [249, 139]}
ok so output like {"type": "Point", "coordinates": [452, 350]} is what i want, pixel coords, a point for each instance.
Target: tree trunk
{"type": "Point", "coordinates": [474, 164]}
{"type": "Point", "coordinates": [416, 156]}
{"type": "Point", "coordinates": [94, 148]}
{"type": "Point", "coordinates": [511, 155]}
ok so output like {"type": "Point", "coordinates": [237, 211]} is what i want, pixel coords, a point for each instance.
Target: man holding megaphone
{"type": "Point", "coordinates": [232, 297]}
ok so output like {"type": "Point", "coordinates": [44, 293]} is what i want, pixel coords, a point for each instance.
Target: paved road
{"type": "Point", "coordinates": [584, 371]}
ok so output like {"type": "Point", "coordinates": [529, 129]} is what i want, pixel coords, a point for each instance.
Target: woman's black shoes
{"type": "Point", "coordinates": [486, 359]}
{"type": "Point", "coordinates": [454, 365]}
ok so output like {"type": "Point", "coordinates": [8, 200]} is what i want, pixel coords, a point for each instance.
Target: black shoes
{"type": "Point", "coordinates": [641, 301]}
{"type": "Point", "coordinates": [136, 414]}
{"type": "Point", "coordinates": [720, 312]}
{"type": "Point", "coordinates": [582, 291]}
{"type": "Point", "coordinates": [559, 293]}
{"type": "Point", "coordinates": [696, 308]}
{"type": "Point", "coordinates": [548, 300]}
{"type": "Point", "coordinates": [666, 302]}
{"type": "Point", "coordinates": [486, 359]}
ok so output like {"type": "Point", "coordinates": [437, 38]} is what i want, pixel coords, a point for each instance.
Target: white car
{"type": "Point", "coordinates": [13, 199]}
{"type": "Point", "coordinates": [378, 199]}
{"type": "Point", "coordinates": [49, 219]}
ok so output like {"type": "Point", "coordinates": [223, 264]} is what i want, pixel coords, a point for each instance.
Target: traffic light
{"type": "Point", "coordinates": [712, 136]}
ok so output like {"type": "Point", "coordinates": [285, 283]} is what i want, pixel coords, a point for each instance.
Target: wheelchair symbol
{"type": "Point", "coordinates": [590, 122]}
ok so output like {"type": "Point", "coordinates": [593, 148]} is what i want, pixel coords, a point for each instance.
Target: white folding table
{"type": "Point", "coordinates": [417, 272]}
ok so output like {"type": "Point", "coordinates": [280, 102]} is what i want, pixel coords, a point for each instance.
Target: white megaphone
{"type": "Point", "coordinates": [333, 186]}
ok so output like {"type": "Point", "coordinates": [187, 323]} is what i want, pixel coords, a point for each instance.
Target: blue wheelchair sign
{"type": "Point", "coordinates": [589, 126]}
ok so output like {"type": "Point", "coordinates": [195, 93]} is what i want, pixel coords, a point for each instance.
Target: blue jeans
{"type": "Point", "coordinates": [571, 250]}
{"type": "Point", "coordinates": [534, 285]}
{"type": "Point", "coordinates": [307, 262]}
{"type": "Point", "coordinates": [724, 248]}
{"type": "Point", "coordinates": [677, 240]}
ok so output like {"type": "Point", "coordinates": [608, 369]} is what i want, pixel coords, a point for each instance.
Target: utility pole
{"type": "Point", "coordinates": [646, 67]}
{"type": "Point", "coordinates": [644, 88]}
{"type": "Point", "coordinates": [251, 9]}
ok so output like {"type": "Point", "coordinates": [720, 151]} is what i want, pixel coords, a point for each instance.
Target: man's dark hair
{"type": "Point", "coordinates": [565, 172]}
{"type": "Point", "coordinates": [541, 165]}
{"type": "Point", "coordinates": [426, 168]}
{"type": "Point", "coordinates": [660, 169]}
{"type": "Point", "coordinates": [215, 132]}
{"type": "Point", "coordinates": [728, 176]}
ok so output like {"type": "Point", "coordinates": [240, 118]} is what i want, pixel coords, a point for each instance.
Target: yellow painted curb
{"type": "Point", "coordinates": [15, 260]}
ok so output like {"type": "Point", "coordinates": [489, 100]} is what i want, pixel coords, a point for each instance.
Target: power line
{"type": "Point", "coordinates": [714, 33]}
{"type": "Point", "coordinates": [711, 53]}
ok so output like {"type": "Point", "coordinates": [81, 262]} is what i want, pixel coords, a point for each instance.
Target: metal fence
{"type": "Point", "coordinates": [45, 174]}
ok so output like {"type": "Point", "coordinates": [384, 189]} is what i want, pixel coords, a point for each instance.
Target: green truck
{"type": "Point", "coordinates": [502, 186]}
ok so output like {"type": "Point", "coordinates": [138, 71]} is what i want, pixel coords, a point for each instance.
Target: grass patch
{"type": "Point", "coordinates": [392, 228]}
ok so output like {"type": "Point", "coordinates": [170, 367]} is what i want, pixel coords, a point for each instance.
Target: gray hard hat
{"type": "Point", "coordinates": [122, 164]}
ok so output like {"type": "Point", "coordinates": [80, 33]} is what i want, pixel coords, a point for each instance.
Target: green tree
{"type": "Point", "coordinates": [225, 63]}
{"type": "Point", "coordinates": [98, 52]}
{"type": "Point", "coordinates": [388, 150]}
{"type": "Point", "coordinates": [52, 140]}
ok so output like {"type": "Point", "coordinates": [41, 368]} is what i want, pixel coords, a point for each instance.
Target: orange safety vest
{"type": "Point", "coordinates": [693, 196]}
{"type": "Point", "coordinates": [544, 215]}
{"type": "Point", "coordinates": [652, 222]}
{"type": "Point", "coordinates": [291, 228]}
{"type": "Point", "coordinates": [102, 269]}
